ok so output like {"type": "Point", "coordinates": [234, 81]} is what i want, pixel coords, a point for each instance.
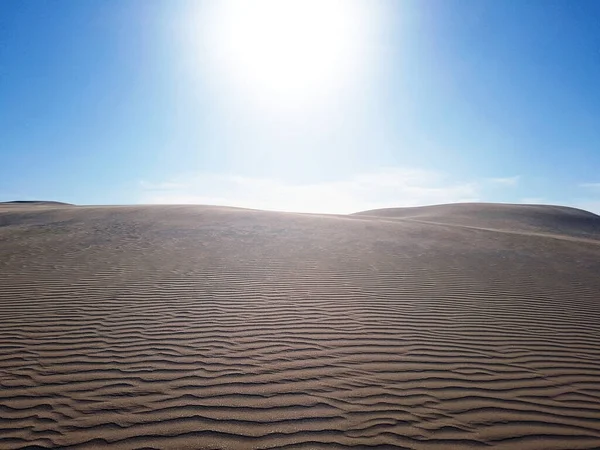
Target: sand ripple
{"type": "Point", "coordinates": [204, 327]}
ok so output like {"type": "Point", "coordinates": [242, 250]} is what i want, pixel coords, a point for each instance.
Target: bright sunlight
{"type": "Point", "coordinates": [287, 53]}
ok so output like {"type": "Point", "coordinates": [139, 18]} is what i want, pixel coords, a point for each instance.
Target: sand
{"type": "Point", "coordinates": [192, 327]}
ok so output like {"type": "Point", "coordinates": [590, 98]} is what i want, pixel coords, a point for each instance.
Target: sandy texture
{"type": "Point", "coordinates": [187, 327]}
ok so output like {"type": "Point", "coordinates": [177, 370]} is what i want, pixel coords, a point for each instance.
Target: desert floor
{"type": "Point", "coordinates": [189, 327]}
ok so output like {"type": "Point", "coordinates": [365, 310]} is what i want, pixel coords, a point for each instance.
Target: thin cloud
{"type": "Point", "coordinates": [506, 181]}
{"type": "Point", "coordinates": [533, 200]}
{"type": "Point", "coordinates": [163, 186]}
{"type": "Point", "coordinates": [384, 188]}
{"type": "Point", "coordinates": [594, 186]}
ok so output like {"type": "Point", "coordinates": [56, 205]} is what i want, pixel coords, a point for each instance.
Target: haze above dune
{"type": "Point", "coordinates": [448, 326]}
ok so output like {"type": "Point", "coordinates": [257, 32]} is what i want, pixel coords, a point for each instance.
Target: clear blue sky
{"type": "Point", "coordinates": [318, 107]}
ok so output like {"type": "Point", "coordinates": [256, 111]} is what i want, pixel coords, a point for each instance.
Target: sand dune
{"type": "Point", "coordinates": [35, 203]}
{"type": "Point", "coordinates": [191, 327]}
{"type": "Point", "coordinates": [534, 218]}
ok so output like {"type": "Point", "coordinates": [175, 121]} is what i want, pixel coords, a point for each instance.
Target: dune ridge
{"type": "Point", "coordinates": [192, 327]}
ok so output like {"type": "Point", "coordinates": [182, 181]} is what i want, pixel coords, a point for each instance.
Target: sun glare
{"type": "Point", "coordinates": [286, 52]}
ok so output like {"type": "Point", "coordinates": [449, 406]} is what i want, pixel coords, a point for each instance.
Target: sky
{"type": "Point", "coordinates": [329, 106]}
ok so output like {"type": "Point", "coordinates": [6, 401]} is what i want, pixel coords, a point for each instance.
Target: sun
{"type": "Point", "coordinates": [285, 52]}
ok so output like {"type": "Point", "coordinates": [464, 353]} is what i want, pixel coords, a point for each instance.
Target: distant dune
{"type": "Point", "coordinates": [192, 327]}
{"type": "Point", "coordinates": [35, 203]}
{"type": "Point", "coordinates": [534, 218]}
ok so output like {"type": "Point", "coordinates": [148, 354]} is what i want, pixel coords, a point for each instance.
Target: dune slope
{"type": "Point", "coordinates": [524, 218]}
{"type": "Point", "coordinates": [189, 327]}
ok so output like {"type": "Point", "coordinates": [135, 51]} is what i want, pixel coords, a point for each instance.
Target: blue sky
{"type": "Point", "coordinates": [330, 106]}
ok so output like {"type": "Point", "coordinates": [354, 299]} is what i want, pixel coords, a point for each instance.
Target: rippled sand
{"type": "Point", "coordinates": [191, 327]}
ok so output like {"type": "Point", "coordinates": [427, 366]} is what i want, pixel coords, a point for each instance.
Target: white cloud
{"type": "Point", "coordinates": [506, 181]}
{"type": "Point", "coordinates": [383, 188]}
